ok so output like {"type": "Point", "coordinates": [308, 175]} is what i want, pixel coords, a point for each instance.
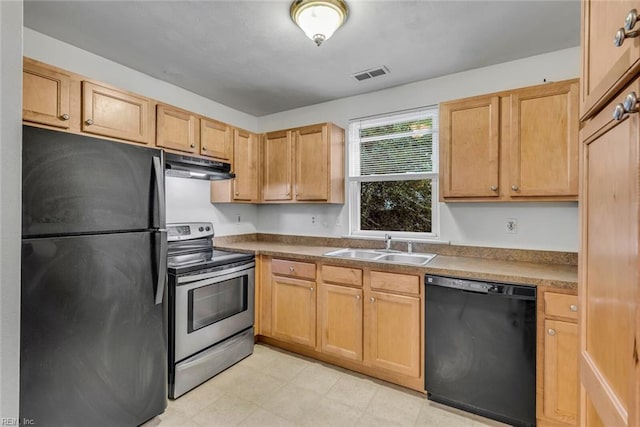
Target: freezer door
{"type": "Point", "coordinates": [93, 339]}
{"type": "Point", "coordinates": [74, 184]}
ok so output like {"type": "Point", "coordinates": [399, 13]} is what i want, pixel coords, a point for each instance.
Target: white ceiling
{"type": "Point", "coordinates": [250, 56]}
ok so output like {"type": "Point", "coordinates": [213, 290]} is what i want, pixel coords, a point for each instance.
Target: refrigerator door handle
{"type": "Point", "coordinates": [159, 173]}
{"type": "Point", "coordinates": [162, 268]}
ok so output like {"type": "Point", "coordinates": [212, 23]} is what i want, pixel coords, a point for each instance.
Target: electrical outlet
{"type": "Point", "coordinates": [238, 219]}
{"type": "Point", "coordinates": [512, 225]}
{"type": "Point", "coordinates": [314, 220]}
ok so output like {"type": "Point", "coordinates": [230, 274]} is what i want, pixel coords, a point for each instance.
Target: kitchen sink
{"type": "Point", "coordinates": [382, 255]}
{"type": "Point", "coordinates": [355, 253]}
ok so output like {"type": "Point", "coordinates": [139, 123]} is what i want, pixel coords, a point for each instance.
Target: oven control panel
{"type": "Point", "coordinates": [189, 230]}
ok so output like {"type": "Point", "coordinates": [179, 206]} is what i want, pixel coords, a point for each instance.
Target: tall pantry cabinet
{"type": "Point", "coordinates": [609, 288]}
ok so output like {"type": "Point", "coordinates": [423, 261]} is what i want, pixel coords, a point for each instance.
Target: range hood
{"type": "Point", "coordinates": [194, 167]}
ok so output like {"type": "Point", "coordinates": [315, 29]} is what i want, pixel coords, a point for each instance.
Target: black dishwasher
{"type": "Point", "coordinates": [480, 353]}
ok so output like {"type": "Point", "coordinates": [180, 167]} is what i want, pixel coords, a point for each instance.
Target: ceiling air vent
{"type": "Point", "coordinates": [373, 72]}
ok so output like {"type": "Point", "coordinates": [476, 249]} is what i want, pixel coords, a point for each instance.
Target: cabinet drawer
{"type": "Point", "coordinates": [561, 305]}
{"type": "Point", "coordinates": [285, 267]}
{"type": "Point", "coordinates": [342, 275]}
{"type": "Point", "coordinates": [395, 282]}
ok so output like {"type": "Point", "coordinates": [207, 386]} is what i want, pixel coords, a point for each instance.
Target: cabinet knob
{"type": "Point", "coordinates": [618, 112]}
{"type": "Point", "coordinates": [237, 193]}
{"type": "Point", "coordinates": [193, 146]}
{"type": "Point", "coordinates": [358, 297]}
{"type": "Point", "coordinates": [65, 117]}
{"type": "Point", "coordinates": [630, 102]}
{"type": "Point", "coordinates": [631, 20]}
{"type": "Point", "coordinates": [372, 299]}
{"type": "Point", "coordinates": [551, 332]}
{"type": "Point", "coordinates": [573, 307]}
{"type": "Point", "coordinates": [514, 187]}
{"type": "Point", "coordinates": [494, 188]}
{"type": "Point", "coordinates": [204, 148]}
{"type": "Point", "coordinates": [88, 122]}
{"type": "Point", "coordinates": [291, 269]}
{"type": "Point", "coordinates": [311, 289]}
{"type": "Point", "coordinates": [622, 35]}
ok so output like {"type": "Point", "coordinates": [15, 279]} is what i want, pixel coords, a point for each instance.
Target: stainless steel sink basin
{"type": "Point", "coordinates": [383, 256]}
{"type": "Point", "coordinates": [355, 253]}
{"type": "Point", "coordinates": [419, 259]}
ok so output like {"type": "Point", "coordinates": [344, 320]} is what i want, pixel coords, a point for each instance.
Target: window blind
{"type": "Point", "coordinates": [401, 143]}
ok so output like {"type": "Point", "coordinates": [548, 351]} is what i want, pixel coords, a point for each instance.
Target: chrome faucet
{"type": "Point", "coordinates": [387, 242]}
{"type": "Point", "coordinates": [409, 246]}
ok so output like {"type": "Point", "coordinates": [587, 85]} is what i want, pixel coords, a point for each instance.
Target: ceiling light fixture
{"type": "Point", "coordinates": [319, 19]}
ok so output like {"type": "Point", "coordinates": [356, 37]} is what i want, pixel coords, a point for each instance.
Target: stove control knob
{"type": "Point", "coordinates": [207, 228]}
{"type": "Point", "coordinates": [201, 229]}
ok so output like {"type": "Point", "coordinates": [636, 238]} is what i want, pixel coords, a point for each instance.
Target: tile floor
{"type": "Point", "coordinates": [276, 388]}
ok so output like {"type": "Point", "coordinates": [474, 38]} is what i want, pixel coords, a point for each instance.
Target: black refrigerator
{"type": "Point", "coordinates": [93, 344]}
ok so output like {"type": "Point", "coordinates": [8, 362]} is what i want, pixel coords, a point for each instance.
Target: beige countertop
{"type": "Point", "coordinates": [551, 275]}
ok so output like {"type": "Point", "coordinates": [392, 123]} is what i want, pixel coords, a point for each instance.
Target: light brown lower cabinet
{"type": "Point", "coordinates": [393, 333]}
{"type": "Point", "coordinates": [340, 321]}
{"type": "Point", "coordinates": [377, 332]}
{"type": "Point", "coordinates": [558, 405]}
{"type": "Point", "coordinates": [561, 371]}
{"type": "Point", "coordinates": [294, 310]}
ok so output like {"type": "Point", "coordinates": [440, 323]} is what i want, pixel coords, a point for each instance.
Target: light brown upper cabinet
{"type": "Point", "coordinates": [304, 164]}
{"type": "Point", "coordinates": [116, 114]}
{"type": "Point", "coordinates": [544, 141]}
{"type": "Point", "coordinates": [610, 59]}
{"type": "Point", "coordinates": [277, 176]}
{"type": "Point", "coordinates": [216, 140]}
{"type": "Point", "coordinates": [469, 147]}
{"type": "Point", "coordinates": [45, 95]}
{"type": "Point", "coordinates": [509, 146]}
{"type": "Point", "coordinates": [312, 163]}
{"type": "Point", "coordinates": [245, 165]}
{"type": "Point", "coordinates": [244, 187]}
{"type": "Point", "coordinates": [177, 130]}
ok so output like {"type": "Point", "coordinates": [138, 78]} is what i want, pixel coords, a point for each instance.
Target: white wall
{"type": "Point", "coordinates": [550, 226]}
{"type": "Point", "coordinates": [10, 193]}
{"type": "Point", "coordinates": [188, 200]}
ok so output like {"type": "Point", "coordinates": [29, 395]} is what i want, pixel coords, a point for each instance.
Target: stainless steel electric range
{"type": "Point", "coordinates": [211, 306]}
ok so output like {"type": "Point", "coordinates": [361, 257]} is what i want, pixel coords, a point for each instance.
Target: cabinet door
{"type": "Point", "coordinates": [609, 282]}
{"type": "Point", "coordinates": [45, 96]}
{"type": "Point", "coordinates": [245, 166]}
{"type": "Point", "coordinates": [560, 400]}
{"type": "Point", "coordinates": [469, 147]}
{"type": "Point", "coordinates": [606, 68]}
{"type": "Point", "coordinates": [216, 140]}
{"type": "Point", "coordinates": [116, 114]}
{"type": "Point", "coordinates": [293, 310]}
{"type": "Point", "coordinates": [176, 130]}
{"type": "Point", "coordinates": [277, 166]}
{"type": "Point", "coordinates": [341, 321]}
{"type": "Point", "coordinates": [543, 141]}
{"type": "Point", "coordinates": [393, 334]}
{"type": "Point", "coordinates": [312, 163]}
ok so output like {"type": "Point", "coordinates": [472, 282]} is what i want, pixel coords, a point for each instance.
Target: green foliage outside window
{"type": "Point", "coordinates": [396, 206]}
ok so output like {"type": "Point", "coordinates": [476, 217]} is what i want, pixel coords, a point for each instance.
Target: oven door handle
{"type": "Point", "coordinates": [162, 268]}
{"type": "Point", "coordinates": [185, 280]}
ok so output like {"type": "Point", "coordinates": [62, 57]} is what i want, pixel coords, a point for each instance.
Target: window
{"type": "Point", "coordinates": [393, 174]}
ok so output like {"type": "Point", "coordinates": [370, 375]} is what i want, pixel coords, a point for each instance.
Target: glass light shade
{"type": "Point", "coordinates": [319, 19]}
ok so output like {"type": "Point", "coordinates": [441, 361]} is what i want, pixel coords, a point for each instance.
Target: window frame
{"type": "Point", "coordinates": [354, 182]}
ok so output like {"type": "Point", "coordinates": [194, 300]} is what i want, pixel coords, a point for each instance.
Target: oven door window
{"type": "Point", "coordinates": [217, 301]}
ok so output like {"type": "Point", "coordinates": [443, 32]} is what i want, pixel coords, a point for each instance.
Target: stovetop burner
{"type": "Point", "coordinates": [191, 249]}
